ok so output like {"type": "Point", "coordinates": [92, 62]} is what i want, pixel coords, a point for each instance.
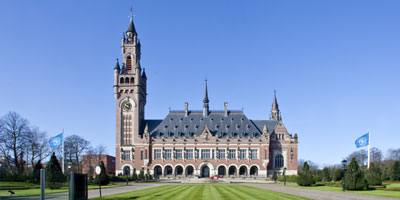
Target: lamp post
{"type": "Point", "coordinates": [284, 175]}
{"type": "Point", "coordinates": [344, 164]}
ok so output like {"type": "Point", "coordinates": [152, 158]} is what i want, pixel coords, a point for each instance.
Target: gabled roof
{"type": "Point", "coordinates": [235, 124]}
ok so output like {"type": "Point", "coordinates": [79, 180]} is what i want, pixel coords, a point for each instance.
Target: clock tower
{"type": "Point", "coordinates": [130, 94]}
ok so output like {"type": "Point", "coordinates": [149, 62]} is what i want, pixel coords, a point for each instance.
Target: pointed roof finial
{"type": "Point", "coordinates": [144, 73]}
{"type": "Point", "coordinates": [206, 94]}
{"type": "Point", "coordinates": [275, 102]}
{"type": "Point", "coordinates": [117, 65]}
{"type": "Point", "coordinates": [131, 27]}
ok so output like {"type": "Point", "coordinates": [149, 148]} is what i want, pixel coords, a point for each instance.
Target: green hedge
{"type": "Point", "coordinates": [292, 178]}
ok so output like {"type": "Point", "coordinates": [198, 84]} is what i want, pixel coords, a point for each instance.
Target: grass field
{"type": "Point", "coordinates": [207, 192]}
{"type": "Point", "coordinates": [34, 189]}
{"type": "Point", "coordinates": [383, 193]}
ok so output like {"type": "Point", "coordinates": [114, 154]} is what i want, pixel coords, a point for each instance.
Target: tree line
{"type": "Point", "coordinates": [23, 147]}
{"type": "Point", "coordinates": [357, 175]}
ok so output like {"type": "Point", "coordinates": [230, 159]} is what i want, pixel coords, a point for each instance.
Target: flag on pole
{"type": "Point", "coordinates": [362, 141]}
{"type": "Point", "coordinates": [56, 141]}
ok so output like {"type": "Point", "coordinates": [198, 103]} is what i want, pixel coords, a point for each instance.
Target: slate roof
{"type": "Point", "coordinates": [131, 27]}
{"type": "Point", "coordinates": [236, 124]}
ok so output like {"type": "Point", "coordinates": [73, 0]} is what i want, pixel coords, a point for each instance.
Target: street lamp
{"type": "Point", "coordinates": [344, 164]}
{"type": "Point", "coordinates": [284, 175]}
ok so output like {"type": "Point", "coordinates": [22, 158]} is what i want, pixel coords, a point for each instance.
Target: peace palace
{"type": "Point", "coordinates": [193, 143]}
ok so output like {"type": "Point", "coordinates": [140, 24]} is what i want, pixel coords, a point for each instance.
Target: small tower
{"type": "Point", "coordinates": [205, 101]}
{"type": "Point", "coordinates": [275, 113]}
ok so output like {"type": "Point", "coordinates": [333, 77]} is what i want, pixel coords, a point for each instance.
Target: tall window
{"type": "Point", "coordinates": [205, 154]}
{"type": "Point", "coordinates": [126, 155]}
{"type": "Point", "coordinates": [141, 155]}
{"type": "Point", "coordinates": [278, 161]}
{"type": "Point", "coordinates": [232, 154]}
{"type": "Point", "coordinates": [189, 154]}
{"type": "Point", "coordinates": [129, 63]}
{"type": "Point", "coordinates": [242, 153]}
{"type": "Point", "coordinates": [178, 154]}
{"type": "Point", "coordinates": [157, 154]}
{"type": "Point", "coordinates": [253, 154]}
{"type": "Point", "coordinates": [168, 154]}
{"type": "Point", "coordinates": [221, 153]}
{"type": "Point", "coordinates": [127, 127]}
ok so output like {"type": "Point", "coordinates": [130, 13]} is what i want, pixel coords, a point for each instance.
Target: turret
{"type": "Point", "coordinates": [116, 73]}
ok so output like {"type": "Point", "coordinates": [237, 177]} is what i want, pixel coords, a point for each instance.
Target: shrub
{"type": "Point", "coordinates": [374, 175]}
{"type": "Point", "coordinates": [338, 174]}
{"type": "Point", "coordinates": [354, 177]}
{"type": "Point", "coordinates": [395, 171]}
{"type": "Point", "coordinates": [54, 175]}
{"type": "Point", "coordinates": [305, 177]}
{"type": "Point", "coordinates": [275, 176]}
{"type": "Point", "coordinates": [141, 175]}
{"type": "Point", "coordinates": [326, 174]}
{"type": "Point", "coordinates": [385, 174]}
{"type": "Point", "coordinates": [148, 175]}
{"type": "Point", "coordinates": [36, 172]}
{"type": "Point", "coordinates": [134, 175]}
{"type": "Point", "coordinates": [102, 177]}
{"type": "Point", "coordinates": [292, 178]}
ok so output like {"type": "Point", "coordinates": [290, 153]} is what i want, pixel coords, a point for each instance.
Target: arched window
{"type": "Point", "coordinates": [132, 80]}
{"type": "Point", "coordinates": [129, 63]}
{"type": "Point", "coordinates": [121, 80]}
{"type": "Point", "coordinates": [278, 161]}
{"type": "Point", "coordinates": [126, 80]}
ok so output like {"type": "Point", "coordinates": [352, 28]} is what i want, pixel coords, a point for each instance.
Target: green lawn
{"type": "Point", "coordinates": [207, 192]}
{"type": "Point", "coordinates": [34, 189]}
{"type": "Point", "coordinates": [384, 193]}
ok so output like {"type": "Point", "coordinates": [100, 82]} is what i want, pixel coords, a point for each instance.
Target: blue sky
{"type": "Point", "coordinates": [334, 64]}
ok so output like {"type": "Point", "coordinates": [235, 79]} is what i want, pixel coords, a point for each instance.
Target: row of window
{"type": "Point", "coordinates": [205, 154]}
{"type": "Point", "coordinates": [126, 80]}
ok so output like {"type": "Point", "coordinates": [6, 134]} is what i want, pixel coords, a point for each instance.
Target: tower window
{"type": "Point", "coordinates": [121, 80]}
{"type": "Point", "coordinates": [129, 63]}
{"type": "Point", "coordinates": [132, 80]}
{"type": "Point", "coordinates": [126, 80]}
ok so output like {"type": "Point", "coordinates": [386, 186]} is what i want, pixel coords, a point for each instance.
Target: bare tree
{"type": "Point", "coordinates": [376, 155]}
{"type": "Point", "coordinates": [37, 145]}
{"type": "Point", "coordinates": [361, 156]}
{"type": "Point", "coordinates": [393, 154]}
{"type": "Point", "coordinates": [101, 150]}
{"type": "Point", "coordinates": [74, 147]}
{"type": "Point", "coordinates": [13, 135]}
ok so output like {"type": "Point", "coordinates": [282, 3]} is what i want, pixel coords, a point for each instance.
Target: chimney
{"type": "Point", "coordinates": [226, 109]}
{"type": "Point", "coordinates": [186, 109]}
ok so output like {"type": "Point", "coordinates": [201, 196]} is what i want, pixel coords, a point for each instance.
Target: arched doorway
{"type": "Point", "coordinates": [232, 171]}
{"type": "Point", "coordinates": [205, 172]}
{"type": "Point", "coordinates": [178, 170]}
{"type": "Point", "coordinates": [243, 171]}
{"type": "Point", "coordinates": [189, 171]}
{"type": "Point", "coordinates": [127, 171]}
{"type": "Point", "coordinates": [221, 170]}
{"type": "Point", "coordinates": [253, 171]}
{"type": "Point", "coordinates": [157, 172]}
{"type": "Point", "coordinates": [167, 171]}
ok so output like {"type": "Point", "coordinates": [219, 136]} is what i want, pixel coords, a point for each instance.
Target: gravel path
{"type": "Point", "coordinates": [316, 194]}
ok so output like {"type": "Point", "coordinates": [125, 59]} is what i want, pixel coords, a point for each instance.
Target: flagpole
{"type": "Point", "coordinates": [369, 146]}
{"type": "Point", "coordinates": [62, 144]}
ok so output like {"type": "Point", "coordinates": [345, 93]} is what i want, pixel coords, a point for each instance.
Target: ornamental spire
{"type": "Point", "coordinates": [275, 109]}
{"type": "Point", "coordinates": [205, 101]}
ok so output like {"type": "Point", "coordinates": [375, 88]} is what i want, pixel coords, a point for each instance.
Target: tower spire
{"type": "Point", "coordinates": [275, 108]}
{"type": "Point", "coordinates": [205, 101]}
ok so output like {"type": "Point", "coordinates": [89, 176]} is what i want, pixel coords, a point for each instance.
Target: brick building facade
{"type": "Point", "coordinates": [89, 163]}
{"type": "Point", "coordinates": [193, 142]}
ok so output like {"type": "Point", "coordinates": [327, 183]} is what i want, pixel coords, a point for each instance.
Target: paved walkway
{"type": "Point", "coordinates": [317, 194]}
{"type": "Point", "coordinates": [93, 193]}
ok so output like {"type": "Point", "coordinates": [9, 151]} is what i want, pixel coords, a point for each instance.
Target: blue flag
{"type": "Point", "coordinates": [362, 141]}
{"type": "Point", "coordinates": [56, 141]}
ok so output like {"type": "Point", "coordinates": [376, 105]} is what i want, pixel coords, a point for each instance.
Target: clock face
{"type": "Point", "coordinates": [127, 106]}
